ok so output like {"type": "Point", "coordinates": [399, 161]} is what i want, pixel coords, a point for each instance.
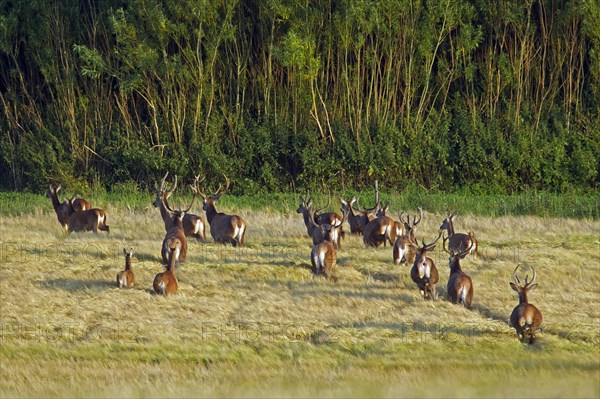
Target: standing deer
{"type": "Point", "coordinates": [380, 230]}
{"type": "Point", "coordinates": [424, 273]}
{"type": "Point", "coordinates": [403, 252]}
{"type": "Point", "coordinates": [525, 317]}
{"type": "Point", "coordinates": [88, 220]}
{"type": "Point", "coordinates": [175, 232]}
{"type": "Point", "coordinates": [326, 231]}
{"type": "Point", "coordinates": [61, 209]}
{"type": "Point", "coordinates": [165, 283]}
{"type": "Point", "coordinates": [324, 252]}
{"type": "Point", "coordinates": [193, 225]}
{"type": "Point", "coordinates": [357, 219]}
{"type": "Point", "coordinates": [227, 229]}
{"type": "Point", "coordinates": [125, 278]}
{"type": "Point", "coordinates": [458, 240]}
{"type": "Point", "coordinates": [460, 286]}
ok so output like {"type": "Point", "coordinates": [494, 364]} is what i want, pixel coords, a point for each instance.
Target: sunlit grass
{"type": "Point", "coordinates": [255, 322]}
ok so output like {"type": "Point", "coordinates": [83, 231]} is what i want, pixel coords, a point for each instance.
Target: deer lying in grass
{"type": "Point", "coordinates": [525, 317]}
{"type": "Point", "coordinates": [403, 252]}
{"type": "Point", "coordinates": [125, 278]}
{"type": "Point", "coordinates": [380, 230]}
{"type": "Point", "coordinates": [424, 273]}
{"type": "Point", "coordinates": [165, 283]}
{"type": "Point", "coordinates": [458, 240]}
{"type": "Point", "coordinates": [175, 231]}
{"type": "Point", "coordinates": [193, 225]}
{"type": "Point", "coordinates": [226, 229]}
{"type": "Point", "coordinates": [460, 286]}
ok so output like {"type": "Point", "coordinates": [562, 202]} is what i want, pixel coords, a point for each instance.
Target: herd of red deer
{"type": "Point", "coordinates": [325, 230]}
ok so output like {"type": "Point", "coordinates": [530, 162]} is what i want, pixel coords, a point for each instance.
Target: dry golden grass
{"type": "Point", "coordinates": [255, 322]}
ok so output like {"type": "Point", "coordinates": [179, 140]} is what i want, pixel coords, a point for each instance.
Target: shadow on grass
{"type": "Point", "coordinates": [75, 285]}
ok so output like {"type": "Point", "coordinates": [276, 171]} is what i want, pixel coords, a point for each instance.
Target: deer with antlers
{"type": "Point", "coordinates": [125, 278]}
{"type": "Point", "coordinates": [403, 252]}
{"type": "Point", "coordinates": [175, 232]}
{"type": "Point", "coordinates": [460, 285]}
{"type": "Point", "coordinates": [458, 240]}
{"type": "Point", "coordinates": [380, 230]}
{"type": "Point", "coordinates": [357, 219]}
{"type": "Point", "coordinates": [165, 283]}
{"type": "Point", "coordinates": [525, 317]}
{"type": "Point", "coordinates": [226, 229]}
{"type": "Point", "coordinates": [424, 273]}
{"type": "Point", "coordinates": [304, 208]}
{"type": "Point", "coordinates": [193, 225]}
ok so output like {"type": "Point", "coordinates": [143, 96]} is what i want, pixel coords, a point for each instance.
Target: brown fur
{"type": "Point", "coordinates": [193, 225]}
{"type": "Point", "coordinates": [425, 281]}
{"type": "Point", "coordinates": [459, 281]}
{"type": "Point", "coordinates": [525, 317]}
{"type": "Point", "coordinates": [125, 278]}
{"type": "Point", "coordinates": [457, 241]}
{"type": "Point", "coordinates": [356, 219]}
{"type": "Point", "coordinates": [326, 267]}
{"type": "Point", "coordinates": [61, 209]}
{"type": "Point", "coordinates": [88, 220]}
{"type": "Point", "coordinates": [165, 283]}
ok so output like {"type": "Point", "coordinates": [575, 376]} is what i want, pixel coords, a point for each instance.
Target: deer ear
{"type": "Point", "coordinates": [532, 287]}
{"type": "Point", "coordinates": [514, 286]}
{"type": "Point", "coordinates": [124, 252]}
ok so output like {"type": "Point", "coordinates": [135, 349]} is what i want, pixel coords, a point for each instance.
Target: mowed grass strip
{"type": "Point", "coordinates": [253, 321]}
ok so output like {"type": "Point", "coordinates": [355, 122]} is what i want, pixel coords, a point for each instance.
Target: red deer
{"type": "Point", "coordinates": [175, 231]}
{"type": "Point", "coordinates": [79, 204]}
{"type": "Point", "coordinates": [357, 219]}
{"type": "Point", "coordinates": [227, 229]}
{"type": "Point", "coordinates": [125, 278]}
{"type": "Point", "coordinates": [525, 317]}
{"type": "Point", "coordinates": [380, 230]}
{"type": "Point", "coordinates": [323, 218]}
{"type": "Point", "coordinates": [165, 283]}
{"type": "Point", "coordinates": [89, 220]}
{"type": "Point", "coordinates": [61, 209]}
{"type": "Point", "coordinates": [460, 286]}
{"type": "Point", "coordinates": [458, 240]}
{"type": "Point", "coordinates": [403, 252]}
{"type": "Point", "coordinates": [324, 252]}
{"type": "Point", "coordinates": [424, 273]}
{"type": "Point", "coordinates": [326, 232]}
{"type": "Point", "coordinates": [193, 225]}
{"type": "Point", "coordinates": [323, 258]}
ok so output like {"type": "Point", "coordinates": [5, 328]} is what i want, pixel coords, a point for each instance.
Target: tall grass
{"type": "Point", "coordinates": [536, 203]}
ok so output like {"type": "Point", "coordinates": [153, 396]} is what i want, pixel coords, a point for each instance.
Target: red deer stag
{"type": "Point", "coordinates": [175, 231]}
{"type": "Point", "coordinates": [403, 252]}
{"type": "Point", "coordinates": [424, 273]}
{"type": "Point", "coordinates": [380, 230]}
{"type": "Point", "coordinates": [357, 219]}
{"type": "Point", "coordinates": [458, 240]}
{"type": "Point", "coordinates": [165, 283]}
{"type": "Point", "coordinates": [226, 229]}
{"type": "Point", "coordinates": [125, 278]}
{"type": "Point", "coordinates": [325, 231]}
{"type": "Point", "coordinates": [460, 286]}
{"type": "Point", "coordinates": [193, 225]}
{"type": "Point", "coordinates": [525, 317]}
{"type": "Point", "coordinates": [61, 209]}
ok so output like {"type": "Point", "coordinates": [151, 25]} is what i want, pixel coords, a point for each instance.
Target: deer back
{"type": "Point", "coordinates": [323, 259]}
{"type": "Point", "coordinates": [88, 220]}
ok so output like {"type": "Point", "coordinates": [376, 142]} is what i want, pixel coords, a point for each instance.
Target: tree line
{"type": "Point", "coordinates": [278, 94]}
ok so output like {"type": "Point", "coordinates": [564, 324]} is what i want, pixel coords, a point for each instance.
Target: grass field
{"type": "Point", "coordinates": [255, 322]}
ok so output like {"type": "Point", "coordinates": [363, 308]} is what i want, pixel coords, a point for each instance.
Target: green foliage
{"type": "Point", "coordinates": [281, 94]}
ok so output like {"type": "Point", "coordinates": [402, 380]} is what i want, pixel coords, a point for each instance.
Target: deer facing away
{"type": "Point", "coordinates": [125, 278]}
{"type": "Point", "coordinates": [525, 317]}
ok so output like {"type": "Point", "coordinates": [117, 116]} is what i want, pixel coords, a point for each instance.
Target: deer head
{"type": "Point", "coordinates": [523, 289]}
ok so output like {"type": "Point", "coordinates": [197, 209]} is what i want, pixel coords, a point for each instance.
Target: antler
{"type": "Point", "coordinates": [165, 199]}
{"type": "Point", "coordinates": [416, 222]}
{"type": "Point", "coordinates": [326, 206]}
{"type": "Point", "coordinates": [432, 243]}
{"type": "Point", "coordinates": [515, 277]}
{"type": "Point", "coordinates": [222, 191]}
{"type": "Point", "coordinates": [529, 283]}
{"type": "Point", "coordinates": [194, 188]}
